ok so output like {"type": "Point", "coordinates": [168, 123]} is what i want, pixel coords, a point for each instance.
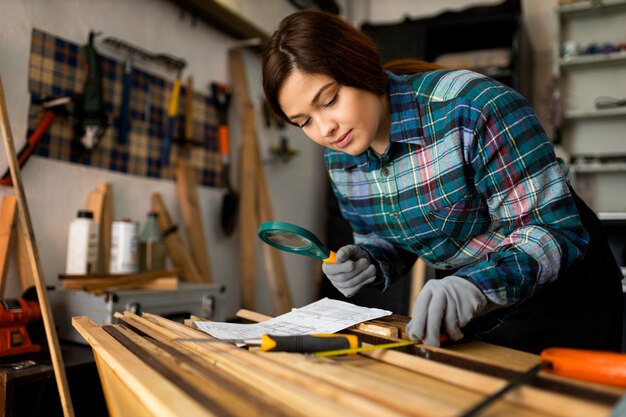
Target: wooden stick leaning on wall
{"type": "Point", "coordinates": [12, 237]}
{"type": "Point", "coordinates": [187, 187]}
{"type": "Point", "coordinates": [31, 247]}
{"type": "Point", "coordinates": [255, 206]}
{"type": "Point", "coordinates": [100, 202]}
{"type": "Point", "coordinates": [7, 229]}
{"type": "Point", "coordinates": [175, 247]}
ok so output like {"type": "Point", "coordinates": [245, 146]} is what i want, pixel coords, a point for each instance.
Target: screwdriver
{"type": "Point", "coordinates": [310, 343]}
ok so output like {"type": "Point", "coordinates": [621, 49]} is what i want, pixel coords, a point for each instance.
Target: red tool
{"type": "Point", "coordinates": [53, 108]}
{"type": "Point", "coordinates": [15, 314]}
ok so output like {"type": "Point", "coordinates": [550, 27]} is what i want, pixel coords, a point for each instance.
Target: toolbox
{"type": "Point", "coordinates": [202, 300]}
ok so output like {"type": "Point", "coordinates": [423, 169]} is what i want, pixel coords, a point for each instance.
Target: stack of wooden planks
{"type": "Point", "coordinates": [148, 369]}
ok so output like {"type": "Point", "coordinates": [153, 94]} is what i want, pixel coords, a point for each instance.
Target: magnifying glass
{"type": "Point", "coordinates": [295, 239]}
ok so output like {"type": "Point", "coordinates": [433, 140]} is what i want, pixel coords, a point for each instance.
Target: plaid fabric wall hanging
{"type": "Point", "coordinates": [56, 70]}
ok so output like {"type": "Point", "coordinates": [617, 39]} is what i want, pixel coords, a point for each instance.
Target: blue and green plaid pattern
{"type": "Point", "coordinates": [469, 181]}
{"type": "Point", "coordinates": [56, 70]}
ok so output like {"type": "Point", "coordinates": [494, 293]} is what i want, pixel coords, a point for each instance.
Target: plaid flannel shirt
{"type": "Point", "coordinates": [469, 181]}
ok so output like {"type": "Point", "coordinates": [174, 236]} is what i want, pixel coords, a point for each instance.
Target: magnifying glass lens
{"type": "Point", "coordinates": [288, 239]}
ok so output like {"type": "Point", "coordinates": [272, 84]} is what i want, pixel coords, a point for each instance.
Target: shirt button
{"type": "Point", "coordinates": [395, 214]}
{"type": "Point", "coordinates": [385, 172]}
{"type": "Point", "coordinates": [417, 246]}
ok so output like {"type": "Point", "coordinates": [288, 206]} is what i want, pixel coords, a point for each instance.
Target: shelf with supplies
{"type": "Point", "coordinates": [595, 113]}
{"type": "Point", "coordinates": [590, 66]}
{"type": "Point", "coordinates": [596, 59]}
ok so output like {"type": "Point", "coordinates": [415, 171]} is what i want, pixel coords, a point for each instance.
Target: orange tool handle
{"type": "Point", "coordinates": [222, 132]}
{"type": "Point", "coordinates": [29, 146]}
{"type": "Point", "coordinates": [589, 365]}
{"type": "Point", "coordinates": [332, 258]}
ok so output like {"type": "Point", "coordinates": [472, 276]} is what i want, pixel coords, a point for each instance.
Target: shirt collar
{"type": "Point", "coordinates": [405, 124]}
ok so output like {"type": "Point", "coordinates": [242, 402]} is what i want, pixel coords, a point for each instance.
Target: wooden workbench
{"type": "Point", "coordinates": [146, 371]}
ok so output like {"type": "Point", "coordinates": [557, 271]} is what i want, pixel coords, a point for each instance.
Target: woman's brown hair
{"type": "Point", "coordinates": [316, 42]}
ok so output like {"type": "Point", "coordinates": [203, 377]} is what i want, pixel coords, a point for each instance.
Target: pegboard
{"type": "Point", "coordinates": [56, 69]}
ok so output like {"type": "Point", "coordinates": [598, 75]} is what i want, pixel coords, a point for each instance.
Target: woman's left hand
{"type": "Point", "coordinates": [445, 304]}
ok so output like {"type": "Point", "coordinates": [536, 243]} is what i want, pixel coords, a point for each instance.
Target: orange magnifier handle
{"type": "Point", "coordinates": [589, 365]}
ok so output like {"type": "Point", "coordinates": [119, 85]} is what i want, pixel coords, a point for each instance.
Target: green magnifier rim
{"type": "Point", "coordinates": [314, 249]}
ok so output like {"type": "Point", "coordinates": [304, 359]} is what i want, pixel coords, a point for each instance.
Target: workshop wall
{"type": "Point", "coordinates": [55, 190]}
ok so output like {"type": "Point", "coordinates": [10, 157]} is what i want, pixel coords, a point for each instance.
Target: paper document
{"type": "Point", "coordinates": [322, 316]}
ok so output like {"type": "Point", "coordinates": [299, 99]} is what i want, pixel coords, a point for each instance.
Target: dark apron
{"type": "Point", "coordinates": [582, 308]}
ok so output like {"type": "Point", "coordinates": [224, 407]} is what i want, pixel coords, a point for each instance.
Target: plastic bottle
{"type": "Point", "coordinates": [124, 259]}
{"type": "Point", "coordinates": [151, 245]}
{"type": "Point", "coordinates": [82, 244]}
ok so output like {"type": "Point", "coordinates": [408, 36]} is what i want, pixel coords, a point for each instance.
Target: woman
{"type": "Point", "coordinates": [453, 167]}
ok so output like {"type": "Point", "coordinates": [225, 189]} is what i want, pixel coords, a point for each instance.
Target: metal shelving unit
{"type": "Point", "coordinates": [588, 132]}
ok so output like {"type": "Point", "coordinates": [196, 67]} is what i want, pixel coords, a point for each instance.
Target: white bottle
{"type": "Point", "coordinates": [124, 259]}
{"type": "Point", "coordinates": [82, 245]}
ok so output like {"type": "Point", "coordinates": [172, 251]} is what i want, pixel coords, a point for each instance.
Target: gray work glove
{"type": "Point", "coordinates": [352, 270]}
{"type": "Point", "coordinates": [444, 304]}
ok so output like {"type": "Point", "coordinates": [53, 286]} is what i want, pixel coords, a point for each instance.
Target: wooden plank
{"type": "Point", "coordinates": [429, 397]}
{"type": "Point", "coordinates": [106, 220]}
{"type": "Point", "coordinates": [7, 228]}
{"type": "Point", "coordinates": [102, 285]}
{"type": "Point", "coordinates": [24, 266]}
{"type": "Point", "coordinates": [138, 379]}
{"type": "Point", "coordinates": [276, 382]}
{"type": "Point", "coordinates": [175, 247]}
{"type": "Point", "coordinates": [297, 390]}
{"type": "Point", "coordinates": [479, 357]}
{"type": "Point", "coordinates": [120, 402]}
{"type": "Point", "coordinates": [187, 187]}
{"type": "Point", "coordinates": [96, 204]}
{"type": "Point", "coordinates": [274, 265]}
{"type": "Point", "coordinates": [256, 204]}
{"type": "Point", "coordinates": [418, 279]}
{"type": "Point", "coordinates": [540, 400]}
{"type": "Point", "coordinates": [33, 255]}
{"type": "Point", "coordinates": [216, 390]}
{"type": "Point", "coordinates": [248, 215]}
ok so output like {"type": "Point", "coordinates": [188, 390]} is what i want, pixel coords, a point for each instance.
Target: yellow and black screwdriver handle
{"type": "Point", "coordinates": [311, 343]}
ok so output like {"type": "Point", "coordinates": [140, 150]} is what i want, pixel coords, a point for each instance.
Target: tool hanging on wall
{"type": "Point", "coordinates": [281, 150]}
{"type": "Point", "coordinates": [133, 53]}
{"type": "Point", "coordinates": [40, 284]}
{"type": "Point", "coordinates": [187, 142]}
{"type": "Point", "coordinates": [123, 125]}
{"type": "Point", "coordinates": [230, 202]}
{"type": "Point", "coordinates": [172, 116]}
{"type": "Point", "coordinates": [91, 112]}
{"type": "Point", "coordinates": [53, 108]}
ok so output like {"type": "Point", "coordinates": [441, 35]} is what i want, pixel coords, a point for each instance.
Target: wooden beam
{"type": "Point", "coordinates": [35, 263]}
{"type": "Point", "coordinates": [99, 203]}
{"type": "Point", "coordinates": [189, 202]}
{"type": "Point", "coordinates": [255, 200]}
{"type": "Point", "coordinates": [138, 378]}
{"type": "Point", "coordinates": [418, 279]}
{"type": "Point", "coordinates": [7, 228]}
{"type": "Point", "coordinates": [248, 221]}
{"type": "Point", "coordinates": [175, 247]}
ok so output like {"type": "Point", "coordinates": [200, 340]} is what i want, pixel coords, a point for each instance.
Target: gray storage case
{"type": "Point", "coordinates": [202, 300]}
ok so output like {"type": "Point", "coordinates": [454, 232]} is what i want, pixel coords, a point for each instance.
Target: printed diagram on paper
{"type": "Point", "coordinates": [323, 316]}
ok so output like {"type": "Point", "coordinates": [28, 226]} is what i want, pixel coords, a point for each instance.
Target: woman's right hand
{"type": "Point", "coordinates": [352, 270]}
